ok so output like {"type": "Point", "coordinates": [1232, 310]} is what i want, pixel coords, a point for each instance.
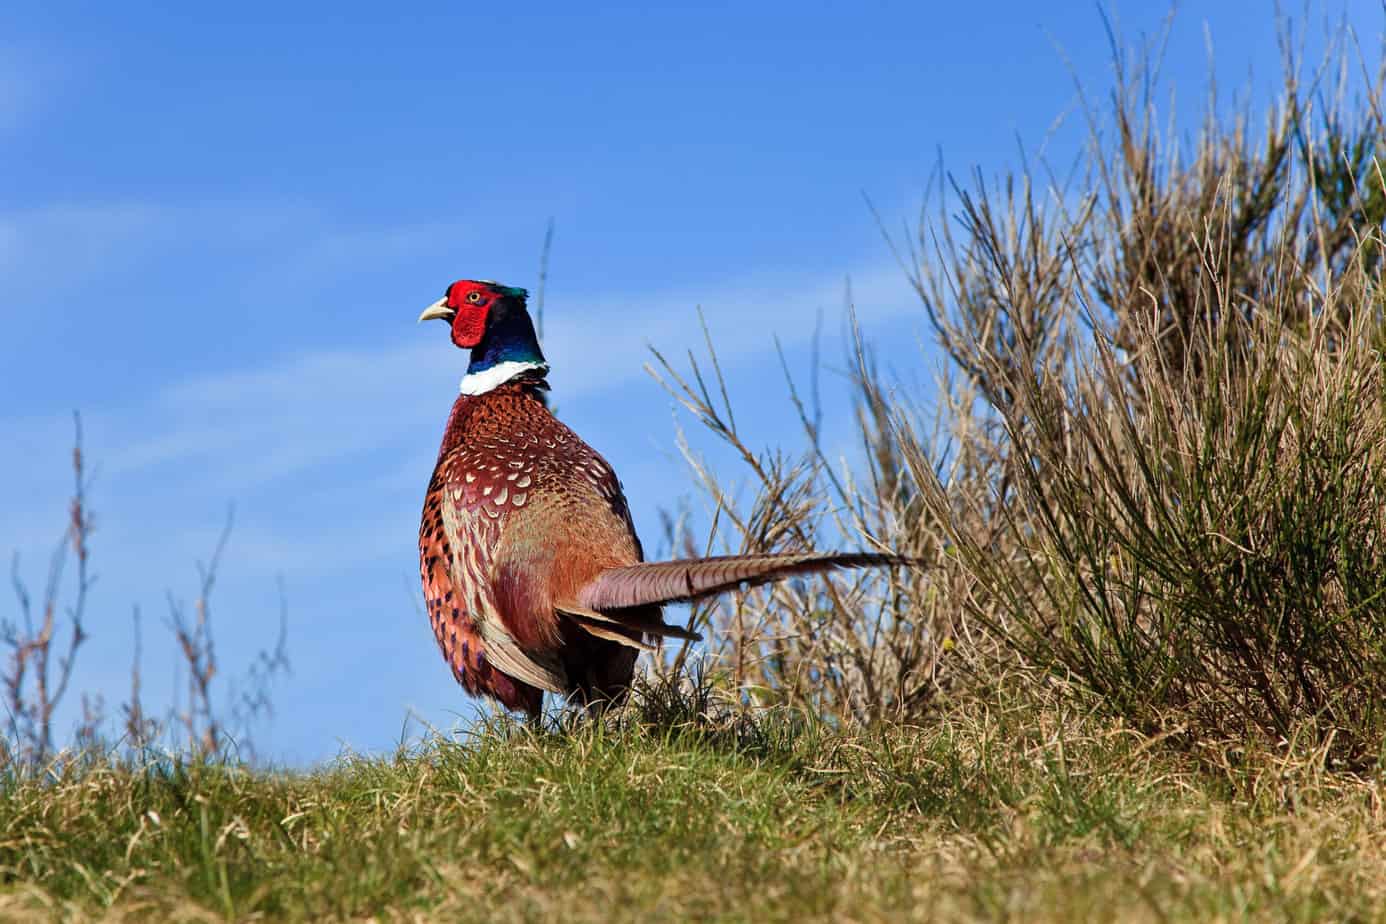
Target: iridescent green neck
{"type": "Point", "coordinates": [509, 349]}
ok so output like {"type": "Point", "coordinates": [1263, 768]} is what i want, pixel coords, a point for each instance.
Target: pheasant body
{"type": "Point", "coordinates": [520, 514]}
{"type": "Point", "coordinates": [532, 572]}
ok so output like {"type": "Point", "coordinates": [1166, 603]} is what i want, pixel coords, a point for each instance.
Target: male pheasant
{"type": "Point", "coordinates": [532, 572]}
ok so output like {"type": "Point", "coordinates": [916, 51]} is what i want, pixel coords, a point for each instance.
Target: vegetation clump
{"type": "Point", "coordinates": [1157, 464]}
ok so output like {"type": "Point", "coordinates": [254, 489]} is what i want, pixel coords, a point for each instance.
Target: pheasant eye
{"type": "Point", "coordinates": [474, 297]}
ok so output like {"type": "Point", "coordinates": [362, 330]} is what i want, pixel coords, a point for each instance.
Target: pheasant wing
{"type": "Point", "coordinates": [473, 532]}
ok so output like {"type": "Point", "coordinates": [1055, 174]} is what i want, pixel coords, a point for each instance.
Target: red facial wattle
{"type": "Point", "coordinates": [469, 324]}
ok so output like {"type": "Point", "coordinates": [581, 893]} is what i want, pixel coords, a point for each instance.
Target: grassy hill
{"type": "Point", "coordinates": [1024, 809]}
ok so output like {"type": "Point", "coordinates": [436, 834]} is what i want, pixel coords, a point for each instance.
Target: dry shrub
{"type": "Point", "coordinates": [1158, 469]}
{"type": "Point", "coordinates": [854, 647]}
{"type": "Point", "coordinates": [41, 667]}
{"type": "Point", "coordinates": [38, 671]}
{"type": "Point", "coordinates": [1184, 376]}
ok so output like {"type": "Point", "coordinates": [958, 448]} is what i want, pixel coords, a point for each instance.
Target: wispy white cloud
{"type": "Point", "coordinates": [269, 422]}
{"type": "Point", "coordinates": [333, 442]}
{"type": "Point", "coordinates": [238, 433]}
{"type": "Point", "coordinates": [743, 316]}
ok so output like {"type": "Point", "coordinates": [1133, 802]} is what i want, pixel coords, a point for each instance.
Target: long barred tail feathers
{"type": "Point", "coordinates": [690, 579]}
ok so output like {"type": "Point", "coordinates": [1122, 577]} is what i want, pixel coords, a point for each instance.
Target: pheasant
{"type": "Point", "coordinates": [532, 572]}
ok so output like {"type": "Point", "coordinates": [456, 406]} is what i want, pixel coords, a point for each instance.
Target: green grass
{"type": "Point", "coordinates": [995, 812]}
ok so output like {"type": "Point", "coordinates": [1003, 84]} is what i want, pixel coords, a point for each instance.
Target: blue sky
{"type": "Point", "coordinates": [218, 226]}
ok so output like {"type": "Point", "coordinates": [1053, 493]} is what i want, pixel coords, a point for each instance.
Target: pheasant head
{"type": "Point", "coordinates": [491, 321]}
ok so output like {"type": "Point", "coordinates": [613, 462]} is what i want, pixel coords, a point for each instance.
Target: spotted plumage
{"type": "Point", "coordinates": [532, 571]}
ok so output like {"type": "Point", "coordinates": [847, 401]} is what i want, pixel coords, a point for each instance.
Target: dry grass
{"type": "Point", "coordinates": [1028, 808]}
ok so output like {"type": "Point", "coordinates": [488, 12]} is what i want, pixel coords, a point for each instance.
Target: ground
{"type": "Point", "coordinates": [1000, 811]}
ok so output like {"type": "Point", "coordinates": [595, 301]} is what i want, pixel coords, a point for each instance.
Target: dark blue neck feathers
{"type": "Point", "coordinates": [509, 338]}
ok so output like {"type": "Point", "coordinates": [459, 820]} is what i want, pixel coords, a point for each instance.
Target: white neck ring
{"type": "Point", "coordinates": [479, 383]}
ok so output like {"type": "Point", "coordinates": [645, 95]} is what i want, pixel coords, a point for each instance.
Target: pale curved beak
{"type": "Point", "coordinates": [438, 311]}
